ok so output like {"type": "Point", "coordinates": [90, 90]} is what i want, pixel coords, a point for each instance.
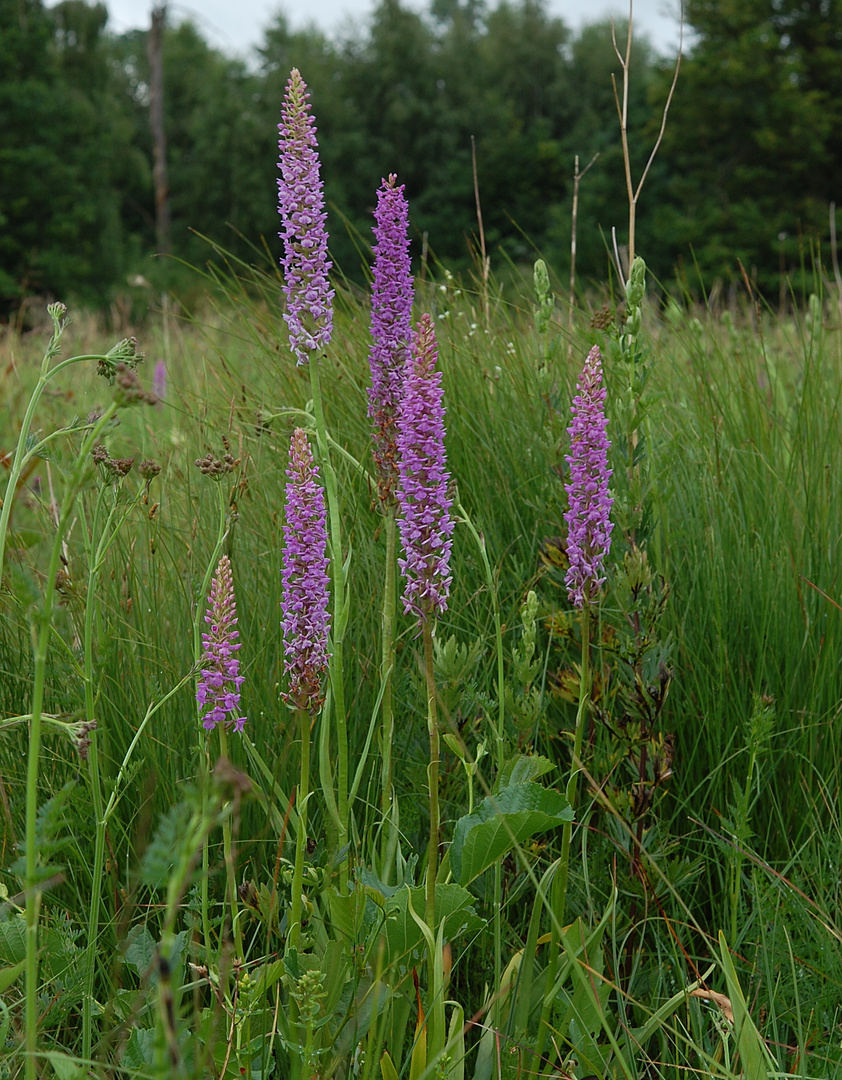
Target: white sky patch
{"type": "Point", "coordinates": [235, 27]}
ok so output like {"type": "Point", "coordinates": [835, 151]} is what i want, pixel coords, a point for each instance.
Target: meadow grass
{"type": "Point", "coordinates": [742, 443]}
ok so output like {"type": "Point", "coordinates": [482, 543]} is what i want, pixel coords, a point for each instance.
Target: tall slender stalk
{"type": "Point", "coordinates": [388, 622]}
{"type": "Point", "coordinates": [340, 616]}
{"type": "Point", "coordinates": [201, 735]}
{"type": "Point", "coordinates": [499, 746]}
{"type": "Point", "coordinates": [433, 778]}
{"type": "Point", "coordinates": [558, 896]}
{"type": "Point", "coordinates": [96, 558]}
{"type": "Point", "coordinates": [41, 632]}
{"type": "Point", "coordinates": [230, 862]}
{"type": "Point", "coordinates": [301, 798]}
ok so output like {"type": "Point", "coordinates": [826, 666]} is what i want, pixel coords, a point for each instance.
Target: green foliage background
{"type": "Point", "coordinates": [746, 171]}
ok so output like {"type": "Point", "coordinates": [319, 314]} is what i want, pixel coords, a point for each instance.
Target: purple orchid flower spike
{"type": "Point", "coordinates": [309, 312]}
{"type": "Point", "coordinates": [220, 681]}
{"type": "Point", "coordinates": [391, 329]}
{"type": "Point", "coordinates": [425, 523]}
{"type": "Point", "coordinates": [304, 601]}
{"type": "Point", "coordinates": [589, 501]}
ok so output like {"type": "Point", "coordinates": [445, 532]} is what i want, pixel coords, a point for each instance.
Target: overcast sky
{"type": "Point", "coordinates": [237, 25]}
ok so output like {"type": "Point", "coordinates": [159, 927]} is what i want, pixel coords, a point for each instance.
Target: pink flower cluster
{"type": "Point", "coordinates": [589, 502]}
{"type": "Point", "coordinates": [304, 598]}
{"type": "Point", "coordinates": [391, 328]}
{"type": "Point", "coordinates": [220, 681]}
{"type": "Point", "coordinates": [425, 524]}
{"type": "Point", "coordinates": [309, 312]}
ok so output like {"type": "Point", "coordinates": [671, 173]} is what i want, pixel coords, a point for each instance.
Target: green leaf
{"type": "Point", "coordinates": [166, 847]}
{"type": "Point", "coordinates": [140, 1049]}
{"type": "Point", "coordinates": [456, 1043]}
{"type": "Point", "coordinates": [522, 769]}
{"type": "Point", "coordinates": [347, 912]}
{"type": "Point", "coordinates": [751, 1046]}
{"type": "Point", "coordinates": [140, 949]}
{"type": "Point", "coordinates": [499, 822]}
{"type": "Point", "coordinates": [65, 1068]}
{"type": "Point", "coordinates": [387, 1068]}
{"type": "Point", "coordinates": [453, 907]}
{"type": "Point", "coordinates": [13, 939]}
{"type": "Point", "coordinates": [9, 974]}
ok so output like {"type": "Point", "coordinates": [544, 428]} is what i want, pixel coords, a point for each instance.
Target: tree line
{"type": "Point", "coordinates": [750, 162]}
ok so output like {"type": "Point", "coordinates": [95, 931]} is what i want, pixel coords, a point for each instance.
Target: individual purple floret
{"type": "Point", "coordinates": [220, 682]}
{"type": "Point", "coordinates": [391, 328]}
{"type": "Point", "coordinates": [309, 312]}
{"type": "Point", "coordinates": [425, 523]}
{"type": "Point", "coordinates": [589, 503]}
{"type": "Point", "coordinates": [304, 599]}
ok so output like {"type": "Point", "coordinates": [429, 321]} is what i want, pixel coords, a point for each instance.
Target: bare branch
{"type": "Point", "coordinates": [614, 41]}
{"type": "Point", "coordinates": [658, 141]}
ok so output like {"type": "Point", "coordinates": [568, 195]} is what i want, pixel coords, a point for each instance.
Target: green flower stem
{"type": "Point", "coordinates": [228, 851]}
{"type": "Point", "coordinates": [340, 618]}
{"type": "Point", "coordinates": [558, 898]}
{"type": "Point", "coordinates": [387, 719]}
{"type": "Point", "coordinates": [433, 775]}
{"type": "Point", "coordinates": [499, 747]}
{"type": "Point", "coordinates": [294, 929]}
{"type": "Point", "coordinates": [41, 633]}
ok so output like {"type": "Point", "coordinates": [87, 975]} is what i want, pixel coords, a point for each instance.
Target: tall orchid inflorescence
{"type": "Point", "coordinates": [589, 502]}
{"type": "Point", "coordinates": [304, 600]}
{"type": "Point", "coordinates": [425, 524]}
{"type": "Point", "coordinates": [220, 681]}
{"type": "Point", "coordinates": [391, 328]}
{"type": "Point", "coordinates": [309, 312]}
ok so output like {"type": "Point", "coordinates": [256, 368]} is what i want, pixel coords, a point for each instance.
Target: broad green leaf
{"type": "Point", "coordinates": [140, 1049]}
{"type": "Point", "coordinates": [453, 906]}
{"type": "Point", "coordinates": [65, 1068]}
{"type": "Point", "coordinates": [140, 949]}
{"type": "Point", "coordinates": [266, 977]}
{"type": "Point", "coordinates": [499, 822]}
{"type": "Point", "coordinates": [751, 1046]}
{"type": "Point", "coordinates": [522, 769]}
{"type": "Point", "coordinates": [347, 913]}
{"type": "Point", "coordinates": [335, 966]}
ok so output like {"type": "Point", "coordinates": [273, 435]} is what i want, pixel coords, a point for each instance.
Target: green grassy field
{"type": "Point", "coordinates": [739, 618]}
